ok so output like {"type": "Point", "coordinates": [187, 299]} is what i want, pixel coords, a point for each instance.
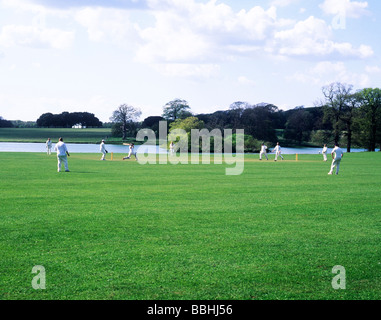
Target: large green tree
{"type": "Point", "coordinates": [371, 115]}
{"type": "Point", "coordinates": [176, 109]}
{"type": "Point", "coordinates": [348, 115]}
{"type": "Point", "coordinates": [187, 124]}
{"type": "Point", "coordinates": [124, 117]}
{"type": "Point", "coordinates": [338, 106]}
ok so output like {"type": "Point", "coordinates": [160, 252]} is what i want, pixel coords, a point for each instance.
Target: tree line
{"type": "Point", "coordinates": [342, 115]}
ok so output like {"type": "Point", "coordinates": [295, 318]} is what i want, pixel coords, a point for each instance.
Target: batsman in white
{"type": "Point", "coordinates": [263, 152]}
{"type": "Point", "coordinates": [337, 155]}
{"type": "Point", "coordinates": [131, 152]}
{"type": "Point", "coordinates": [277, 151]}
{"type": "Point", "coordinates": [62, 154]}
{"type": "Point", "coordinates": [103, 150]}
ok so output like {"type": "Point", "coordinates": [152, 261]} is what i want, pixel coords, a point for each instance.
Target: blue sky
{"type": "Point", "coordinates": [92, 56]}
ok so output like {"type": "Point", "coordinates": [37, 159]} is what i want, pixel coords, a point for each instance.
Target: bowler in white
{"type": "Point", "coordinates": [278, 151]}
{"type": "Point", "coordinates": [337, 155]}
{"type": "Point", "coordinates": [62, 154]}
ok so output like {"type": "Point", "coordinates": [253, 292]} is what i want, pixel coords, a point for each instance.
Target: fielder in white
{"type": "Point", "coordinates": [277, 151]}
{"type": "Point", "coordinates": [49, 146]}
{"type": "Point", "coordinates": [103, 150]}
{"type": "Point", "coordinates": [132, 152]}
{"type": "Point", "coordinates": [324, 152]}
{"type": "Point", "coordinates": [171, 148]}
{"type": "Point", "coordinates": [263, 152]}
{"type": "Point", "coordinates": [337, 155]}
{"type": "Point", "coordinates": [62, 154]}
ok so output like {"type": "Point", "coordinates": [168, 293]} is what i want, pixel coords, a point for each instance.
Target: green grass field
{"type": "Point", "coordinates": [121, 230]}
{"type": "Point", "coordinates": [42, 134]}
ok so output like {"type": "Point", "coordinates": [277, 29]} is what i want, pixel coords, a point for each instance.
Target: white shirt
{"type": "Point", "coordinates": [102, 147]}
{"type": "Point", "coordinates": [338, 153]}
{"type": "Point", "coordinates": [61, 148]}
{"type": "Point", "coordinates": [277, 148]}
{"type": "Point", "coordinates": [49, 143]}
{"type": "Point", "coordinates": [325, 149]}
{"type": "Point", "coordinates": [263, 149]}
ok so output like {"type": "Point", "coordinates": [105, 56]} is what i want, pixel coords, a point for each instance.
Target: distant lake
{"type": "Point", "coordinates": [76, 148]}
{"type": "Point", "coordinates": [94, 148]}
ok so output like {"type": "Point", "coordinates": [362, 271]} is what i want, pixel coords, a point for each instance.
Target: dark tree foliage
{"type": "Point", "coordinates": [5, 123]}
{"type": "Point", "coordinates": [152, 123]}
{"type": "Point", "coordinates": [299, 126]}
{"type": "Point", "coordinates": [260, 122]}
{"type": "Point", "coordinates": [68, 120]}
{"type": "Point", "coordinates": [370, 111]}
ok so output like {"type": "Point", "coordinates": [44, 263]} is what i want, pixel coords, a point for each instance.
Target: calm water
{"type": "Point", "coordinates": [76, 148]}
{"type": "Point", "coordinates": [94, 148]}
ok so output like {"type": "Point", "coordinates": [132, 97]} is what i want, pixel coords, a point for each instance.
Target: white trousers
{"type": "Point", "coordinates": [261, 154]}
{"type": "Point", "coordinates": [103, 155]}
{"type": "Point", "coordinates": [131, 153]}
{"type": "Point", "coordinates": [278, 154]}
{"type": "Point", "coordinates": [335, 163]}
{"type": "Point", "coordinates": [62, 159]}
{"type": "Point", "coordinates": [325, 156]}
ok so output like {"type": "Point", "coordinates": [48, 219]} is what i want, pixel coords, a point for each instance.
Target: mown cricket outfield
{"type": "Point", "coordinates": [121, 230]}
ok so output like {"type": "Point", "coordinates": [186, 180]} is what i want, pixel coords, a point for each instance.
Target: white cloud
{"type": "Point", "coordinates": [327, 72]}
{"type": "Point", "coordinates": [347, 8]}
{"type": "Point", "coordinates": [283, 3]}
{"type": "Point", "coordinates": [35, 32]}
{"type": "Point", "coordinates": [313, 37]}
{"type": "Point", "coordinates": [202, 33]}
{"type": "Point", "coordinates": [107, 24]}
{"type": "Point", "coordinates": [33, 36]}
{"type": "Point", "coordinates": [198, 32]}
{"type": "Point", "coordinates": [188, 33]}
{"type": "Point", "coordinates": [373, 69]}
{"type": "Point", "coordinates": [246, 81]}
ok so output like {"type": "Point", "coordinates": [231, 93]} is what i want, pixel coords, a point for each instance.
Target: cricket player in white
{"type": "Point", "coordinates": [103, 150]}
{"type": "Point", "coordinates": [49, 146]}
{"type": "Point", "coordinates": [132, 152]}
{"type": "Point", "coordinates": [263, 152]}
{"type": "Point", "coordinates": [171, 148]}
{"type": "Point", "coordinates": [337, 155]}
{"type": "Point", "coordinates": [62, 154]}
{"type": "Point", "coordinates": [324, 152]}
{"type": "Point", "coordinates": [277, 151]}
